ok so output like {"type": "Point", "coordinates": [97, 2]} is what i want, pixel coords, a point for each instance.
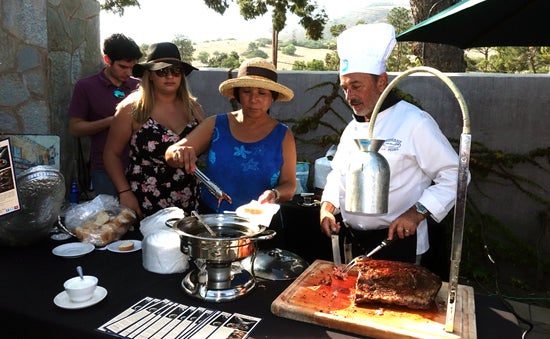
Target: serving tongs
{"type": "Point", "coordinates": [343, 271]}
{"type": "Point", "coordinates": [212, 187]}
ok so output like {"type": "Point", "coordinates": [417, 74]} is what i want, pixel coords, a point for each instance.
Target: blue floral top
{"type": "Point", "coordinates": [242, 170]}
{"type": "Point", "coordinates": [156, 184]}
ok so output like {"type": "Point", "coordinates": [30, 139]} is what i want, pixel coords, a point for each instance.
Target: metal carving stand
{"type": "Point", "coordinates": [462, 184]}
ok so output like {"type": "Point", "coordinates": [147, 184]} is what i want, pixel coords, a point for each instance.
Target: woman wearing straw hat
{"type": "Point", "coordinates": [251, 155]}
{"type": "Point", "coordinates": [158, 114]}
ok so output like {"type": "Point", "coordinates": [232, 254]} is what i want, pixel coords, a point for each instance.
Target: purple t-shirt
{"type": "Point", "coordinates": [94, 99]}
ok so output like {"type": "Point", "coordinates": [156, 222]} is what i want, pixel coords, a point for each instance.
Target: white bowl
{"type": "Point", "coordinates": [79, 289]}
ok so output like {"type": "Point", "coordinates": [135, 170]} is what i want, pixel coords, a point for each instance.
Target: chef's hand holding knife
{"type": "Point", "coordinates": [406, 224]}
{"type": "Point", "coordinates": [328, 222]}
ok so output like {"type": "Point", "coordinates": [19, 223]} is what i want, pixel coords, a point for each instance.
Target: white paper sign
{"type": "Point", "coordinates": [9, 200]}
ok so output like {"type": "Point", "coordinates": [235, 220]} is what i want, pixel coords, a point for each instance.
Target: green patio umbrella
{"type": "Point", "coordinates": [486, 23]}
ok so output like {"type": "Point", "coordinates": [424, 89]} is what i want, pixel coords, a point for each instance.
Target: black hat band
{"type": "Point", "coordinates": [262, 72]}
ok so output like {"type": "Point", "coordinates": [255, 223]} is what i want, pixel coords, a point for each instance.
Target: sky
{"type": "Point", "coordinates": [162, 20]}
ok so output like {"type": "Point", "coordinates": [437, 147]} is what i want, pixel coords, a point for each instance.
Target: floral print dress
{"type": "Point", "coordinates": [156, 184]}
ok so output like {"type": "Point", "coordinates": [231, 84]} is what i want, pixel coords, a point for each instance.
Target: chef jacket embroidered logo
{"type": "Point", "coordinates": [391, 145]}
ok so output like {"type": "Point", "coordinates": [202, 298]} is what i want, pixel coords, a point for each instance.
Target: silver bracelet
{"type": "Point", "coordinates": [277, 194]}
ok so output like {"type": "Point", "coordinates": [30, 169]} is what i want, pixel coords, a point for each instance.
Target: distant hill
{"type": "Point", "coordinates": [365, 11]}
{"type": "Point", "coordinates": [285, 61]}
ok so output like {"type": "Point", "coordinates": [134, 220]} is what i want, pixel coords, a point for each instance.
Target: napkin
{"type": "Point", "coordinates": [260, 214]}
{"type": "Point", "coordinates": [162, 254]}
{"type": "Point", "coordinates": [161, 244]}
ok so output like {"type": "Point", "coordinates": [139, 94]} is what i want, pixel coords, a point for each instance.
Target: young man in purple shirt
{"type": "Point", "coordinates": [95, 99]}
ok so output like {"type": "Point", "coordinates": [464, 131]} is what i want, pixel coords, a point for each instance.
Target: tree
{"type": "Point", "coordinates": [332, 61]}
{"type": "Point", "coordinates": [254, 51]}
{"type": "Point", "coordinates": [203, 57]}
{"type": "Point", "coordinates": [509, 60]}
{"type": "Point", "coordinates": [313, 65]}
{"type": "Point", "coordinates": [400, 18]}
{"type": "Point", "coordinates": [185, 46]}
{"type": "Point", "coordinates": [445, 58]}
{"type": "Point", "coordinates": [117, 6]}
{"type": "Point", "coordinates": [479, 64]}
{"type": "Point", "coordinates": [289, 49]}
{"type": "Point", "coordinates": [336, 30]}
{"type": "Point", "coordinates": [224, 60]}
{"type": "Point", "coordinates": [516, 60]}
{"type": "Point", "coordinates": [312, 19]}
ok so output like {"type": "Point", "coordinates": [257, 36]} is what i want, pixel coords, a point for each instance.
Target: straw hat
{"type": "Point", "coordinates": [161, 55]}
{"type": "Point", "coordinates": [259, 73]}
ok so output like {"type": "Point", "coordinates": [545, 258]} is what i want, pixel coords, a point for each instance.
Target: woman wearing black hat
{"type": "Point", "coordinates": [158, 114]}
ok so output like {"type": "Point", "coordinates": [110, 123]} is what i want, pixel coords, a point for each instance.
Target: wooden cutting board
{"type": "Point", "coordinates": [315, 297]}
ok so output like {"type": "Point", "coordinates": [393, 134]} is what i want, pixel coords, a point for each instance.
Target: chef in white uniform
{"type": "Point", "coordinates": [423, 164]}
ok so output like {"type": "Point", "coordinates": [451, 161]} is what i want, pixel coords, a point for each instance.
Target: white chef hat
{"type": "Point", "coordinates": [365, 48]}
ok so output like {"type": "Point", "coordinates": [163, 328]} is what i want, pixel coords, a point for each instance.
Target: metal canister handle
{"type": "Point", "coordinates": [265, 235]}
{"type": "Point", "coordinates": [170, 222]}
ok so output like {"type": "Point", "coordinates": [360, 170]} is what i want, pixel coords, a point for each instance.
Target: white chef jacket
{"type": "Point", "coordinates": [417, 152]}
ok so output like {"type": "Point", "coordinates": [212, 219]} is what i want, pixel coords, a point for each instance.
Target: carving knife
{"type": "Point", "coordinates": [383, 244]}
{"type": "Point", "coordinates": [336, 249]}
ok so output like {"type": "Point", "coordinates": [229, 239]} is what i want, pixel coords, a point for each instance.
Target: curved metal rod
{"type": "Point", "coordinates": [462, 183]}
{"type": "Point", "coordinates": [443, 77]}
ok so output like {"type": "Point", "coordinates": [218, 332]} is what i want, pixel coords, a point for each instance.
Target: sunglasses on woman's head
{"type": "Point", "coordinates": [175, 71]}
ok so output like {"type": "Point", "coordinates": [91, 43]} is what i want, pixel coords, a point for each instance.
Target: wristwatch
{"type": "Point", "coordinates": [422, 209]}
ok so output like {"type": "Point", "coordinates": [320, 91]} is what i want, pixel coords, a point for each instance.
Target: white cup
{"type": "Point", "coordinates": [79, 289]}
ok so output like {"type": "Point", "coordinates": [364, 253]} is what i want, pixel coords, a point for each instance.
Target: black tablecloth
{"type": "Point", "coordinates": [32, 276]}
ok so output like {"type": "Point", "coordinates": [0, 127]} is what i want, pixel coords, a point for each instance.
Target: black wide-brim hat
{"type": "Point", "coordinates": [161, 55]}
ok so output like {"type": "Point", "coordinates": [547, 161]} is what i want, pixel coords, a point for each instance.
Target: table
{"type": "Point", "coordinates": [32, 276]}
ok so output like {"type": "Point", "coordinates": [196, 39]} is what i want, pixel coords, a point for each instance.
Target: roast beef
{"type": "Point", "coordinates": [395, 283]}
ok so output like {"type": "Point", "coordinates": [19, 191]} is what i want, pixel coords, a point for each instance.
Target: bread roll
{"type": "Point", "coordinates": [126, 245]}
{"type": "Point", "coordinates": [103, 228]}
{"type": "Point", "coordinates": [83, 232]}
{"type": "Point", "coordinates": [124, 219]}
{"type": "Point", "coordinates": [107, 234]}
{"type": "Point", "coordinates": [101, 218]}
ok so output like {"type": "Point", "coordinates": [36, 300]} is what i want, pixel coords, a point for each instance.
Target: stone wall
{"type": "Point", "coordinates": [47, 46]}
{"type": "Point", "coordinates": [23, 68]}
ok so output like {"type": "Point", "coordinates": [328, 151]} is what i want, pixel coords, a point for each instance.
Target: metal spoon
{"type": "Point", "coordinates": [80, 272]}
{"type": "Point", "coordinates": [199, 218]}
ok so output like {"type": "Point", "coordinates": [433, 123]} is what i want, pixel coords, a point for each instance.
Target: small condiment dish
{"type": "Point", "coordinates": [80, 289]}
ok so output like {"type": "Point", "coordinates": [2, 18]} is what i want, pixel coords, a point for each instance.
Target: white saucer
{"type": "Point", "coordinates": [62, 299]}
{"type": "Point", "coordinates": [113, 247]}
{"type": "Point", "coordinates": [73, 249]}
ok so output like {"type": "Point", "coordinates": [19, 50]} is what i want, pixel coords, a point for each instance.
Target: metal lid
{"type": "Point", "coordinates": [41, 191]}
{"type": "Point", "coordinates": [226, 226]}
{"type": "Point", "coordinates": [276, 264]}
